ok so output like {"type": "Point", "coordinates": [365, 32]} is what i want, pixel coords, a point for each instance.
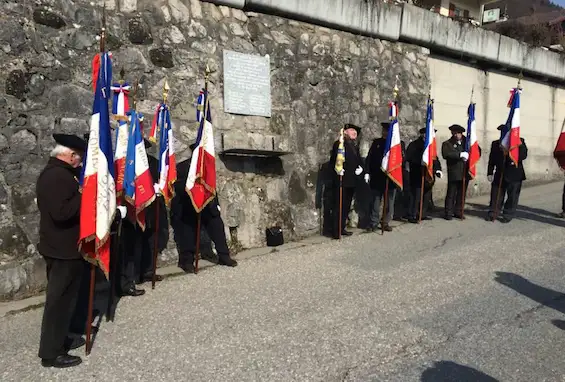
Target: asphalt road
{"type": "Point", "coordinates": [458, 301]}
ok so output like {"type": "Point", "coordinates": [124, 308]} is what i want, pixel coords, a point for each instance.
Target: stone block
{"type": "Point", "coordinates": [127, 6]}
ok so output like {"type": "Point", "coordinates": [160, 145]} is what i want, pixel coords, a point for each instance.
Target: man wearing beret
{"type": "Point", "coordinates": [377, 180]}
{"type": "Point", "coordinates": [453, 151]}
{"type": "Point", "coordinates": [414, 154]}
{"type": "Point", "coordinates": [351, 173]}
{"type": "Point", "coordinates": [512, 177]}
{"type": "Point", "coordinates": [58, 200]}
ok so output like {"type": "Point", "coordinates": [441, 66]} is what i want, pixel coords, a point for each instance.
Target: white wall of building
{"type": "Point", "coordinates": [542, 114]}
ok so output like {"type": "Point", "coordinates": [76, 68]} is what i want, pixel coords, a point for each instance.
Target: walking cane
{"type": "Point", "coordinates": [384, 208]}
{"type": "Point", "coordinates": [421, 199]}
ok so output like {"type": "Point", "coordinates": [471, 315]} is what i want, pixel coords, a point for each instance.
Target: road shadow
{"type": "Point", "coordinates": [522, 213]}
{"type": "Point", "coordinates": [542, 295]}
{"type": "Point", "coordinates": [448, 371]}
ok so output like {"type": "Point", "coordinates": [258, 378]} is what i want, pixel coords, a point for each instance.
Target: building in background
{"type": "Point", "coordinates": [463, 10]}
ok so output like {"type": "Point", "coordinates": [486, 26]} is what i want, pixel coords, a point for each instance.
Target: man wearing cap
{"type": "Point", "coordinates": [58, 200]}
{"type": "Point", "coordinates": [453, 151]}
{"type": "Point", "coordinates": [184, 223]}
{"type": "Point", "coordinates": [414, 154]}
{"type": "Point", "coordinates": [500, 165]}
{"type": "Point", "coordinates": [351, 173]}
{"type": "Point", "coordinates": [377, 180]}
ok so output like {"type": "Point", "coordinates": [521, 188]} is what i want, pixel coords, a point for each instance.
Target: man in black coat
{"type": "Point", "coordinates": [351, 174]}
{"type": "Point", "coordinates": [512, 177]}
{"type": "Point", "coordinates": [414, 154]}
{"type": "Point", "coordinates": [184, 221]}
{"type": "Point", "coordinates": [377, 180]}
{"type": "Point", "coordinates": [58, 200]}
{"type": "Point", "coordinates": [453, 151]}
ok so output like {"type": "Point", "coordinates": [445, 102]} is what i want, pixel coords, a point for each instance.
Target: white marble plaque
{"type": "Point", "coordinates": [247, 84]}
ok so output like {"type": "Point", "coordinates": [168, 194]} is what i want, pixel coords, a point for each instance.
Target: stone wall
{"type": "Point", "coordinates": [321, 78]}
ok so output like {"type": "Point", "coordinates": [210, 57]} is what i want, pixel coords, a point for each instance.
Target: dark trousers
{"type": "Point", "coordinates": [377, 198]}
{"type": "Point", "coordinates": [454, 197]}
{"type": "Point", "coordinates": [136, 257]}
{"type": "Point", "coordinates": [185, 237]}
{"type": "Point", "coordinates": [509, 196]}
{"type": "Point", "coordinates": [416, 195]}
{"type": "Point", "coordinates": [63, 287]}
{"type": "Point", "coordinates": [347, 198]}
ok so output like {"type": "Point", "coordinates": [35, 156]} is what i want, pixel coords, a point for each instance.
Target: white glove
{"type": "Point", "coordinates": [464, 155]}
{"type": "Point", "coordinates": [123, 211]}
{"type": "Point", "coordinates": [490, 178]}
{"type": "Point", "coordinates": [156, 188]}
{"type": "Point", "coordinates": [439, 174]}
{"type": "Point", "coordinates": [342, 172]}
{"type": "Point", "coordinates": [358, 170]}
{"type": "Point", "coordinates": [367, 178]}
{"type": "Point", "coordinates": [219, 209]}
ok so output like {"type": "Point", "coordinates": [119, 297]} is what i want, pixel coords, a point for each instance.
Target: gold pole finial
{"type": "Point", "coordinates": [520, 77]}
{"type": "Point", "coordinates": [166, 89]}
{"type": "Point", "coordinates": [472, 92]}
{"type": "Point", "coordinates": [395, 92]}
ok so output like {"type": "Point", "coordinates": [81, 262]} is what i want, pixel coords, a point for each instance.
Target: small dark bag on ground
{"type": "Point", "coordinates": [274, 236]}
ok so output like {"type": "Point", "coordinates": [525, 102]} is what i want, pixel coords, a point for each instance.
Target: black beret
{"type": "Point", "coordinates": [457, 129]}
{"type": "Point", "coordinates": [352, 126]}
{"type": "Point", "coordinates": [423, 130]}
{"type": "Point", "coordinates": [385, 125]}
{"type": "Point", "coordinates": [71, 141]}
{"type": "Point", "coordinates": [500, 127]}
{"type": "Point", "coordinates": [192, 146]}
{"type": "Point", "coordinates": [86, 137]}
{"type": "Point", "coordinates": [147, 142]}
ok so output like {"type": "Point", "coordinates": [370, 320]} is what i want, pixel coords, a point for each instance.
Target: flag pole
{"type": "Point", "coordinates": [421, 198]}
{"type": "Point", "coordinates": [395, 97]}
{"type": "Point", "coordinates": [158, 134]}
{"type": "Point", "coordinates": [198, 214]}
{"type": "Point", "coordinates": [88, 346]}
{"type": "Point", "coordinates": [467, 167]}
{"type": "Point", "coordinates": [340, 205]}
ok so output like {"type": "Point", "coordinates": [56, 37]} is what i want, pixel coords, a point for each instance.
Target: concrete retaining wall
{"type": "Point", "coordinates": [417, 25]}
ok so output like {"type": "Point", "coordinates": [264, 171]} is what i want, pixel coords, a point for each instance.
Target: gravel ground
{"type": "Point", "coordinates": [458, 301]}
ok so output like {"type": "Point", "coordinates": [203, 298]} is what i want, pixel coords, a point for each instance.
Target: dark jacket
{"type": "Point", "coordinates": [182, 210]}
{"type": "Point", "coordinates": [58, 200]}
{"type": "Point", "coordinates": [414, 154]}
{"type": "Point", "coordinates": [352, 161]}
{"type": "Point", "coordinates": [456, 166]}
{"type": "Point", "coordinates": [374, 161]}
{"type": "Point", "coordinates": [497, 160]}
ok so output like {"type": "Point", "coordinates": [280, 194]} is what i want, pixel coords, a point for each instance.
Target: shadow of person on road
{"type": "Point", "coordinates": [448, 371]}
{"type": "Point", "coordinates": [545, 296]}
{"type": "Point", "coordinates": [522, 213]}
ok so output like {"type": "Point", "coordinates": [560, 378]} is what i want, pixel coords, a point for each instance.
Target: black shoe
{"type": "Point", "coordinates": [448, 217]}
{"type": "Point", "coordinates": [505, 220]}
{"type": "Point", "coordinates": [371, 228]}
{"type": "Point", "coordinates": [489, 218]}
{"type": "Point", "coordinates": [148, 277]}
{"type": "Point", "coordinates": [74, 342]}
{"type": "Point", "coordinates": [387, 228]}
{"type": "Point", "coordinates": [62, 361]}
{"type": "Point", "coordinates": [413, 220]}
{"type": "Point", "coordinates": [427, 218]}
{"type": "Point", "coordinates": [346, 233]}
{"type": "Point", "coordinates": [187, 268]}
{"type": "Point", "coordinates": [133, 291]}
{"type": "Point", "coordinates": [460, 217]}
{"type": "Point", "coordinates": [227, 261]}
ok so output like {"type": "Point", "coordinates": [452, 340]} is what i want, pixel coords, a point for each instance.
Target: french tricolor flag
{"type": "Point", "coordinates": [510, 135]}
{"type": "Point", "coordinates": [120, 106]}
{"type": "Point", "coordinates": [472, 142]}
{"type": "Point", "coordinates": [430, 146]}
{"type": "Point", "coordinates": [392, 158]}
{"type": "Point", "coordinates": [167, 161]}
{"type": "Point", "coordinates": [139, 192]}
{"type": "Point", "coordinates": [98, 203]}
{"type": "Point", "coordinates": [201, 179]}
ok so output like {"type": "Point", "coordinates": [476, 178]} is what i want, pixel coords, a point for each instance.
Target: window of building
{"type": "Point", "coordinates": [457, 12]}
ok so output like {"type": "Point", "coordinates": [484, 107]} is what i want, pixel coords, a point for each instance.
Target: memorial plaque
{"type": "Point", "coordinates": [247, 84]}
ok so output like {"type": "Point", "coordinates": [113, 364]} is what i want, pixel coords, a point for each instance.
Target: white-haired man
{"type": "Point", "coordinates": [58, 200]}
